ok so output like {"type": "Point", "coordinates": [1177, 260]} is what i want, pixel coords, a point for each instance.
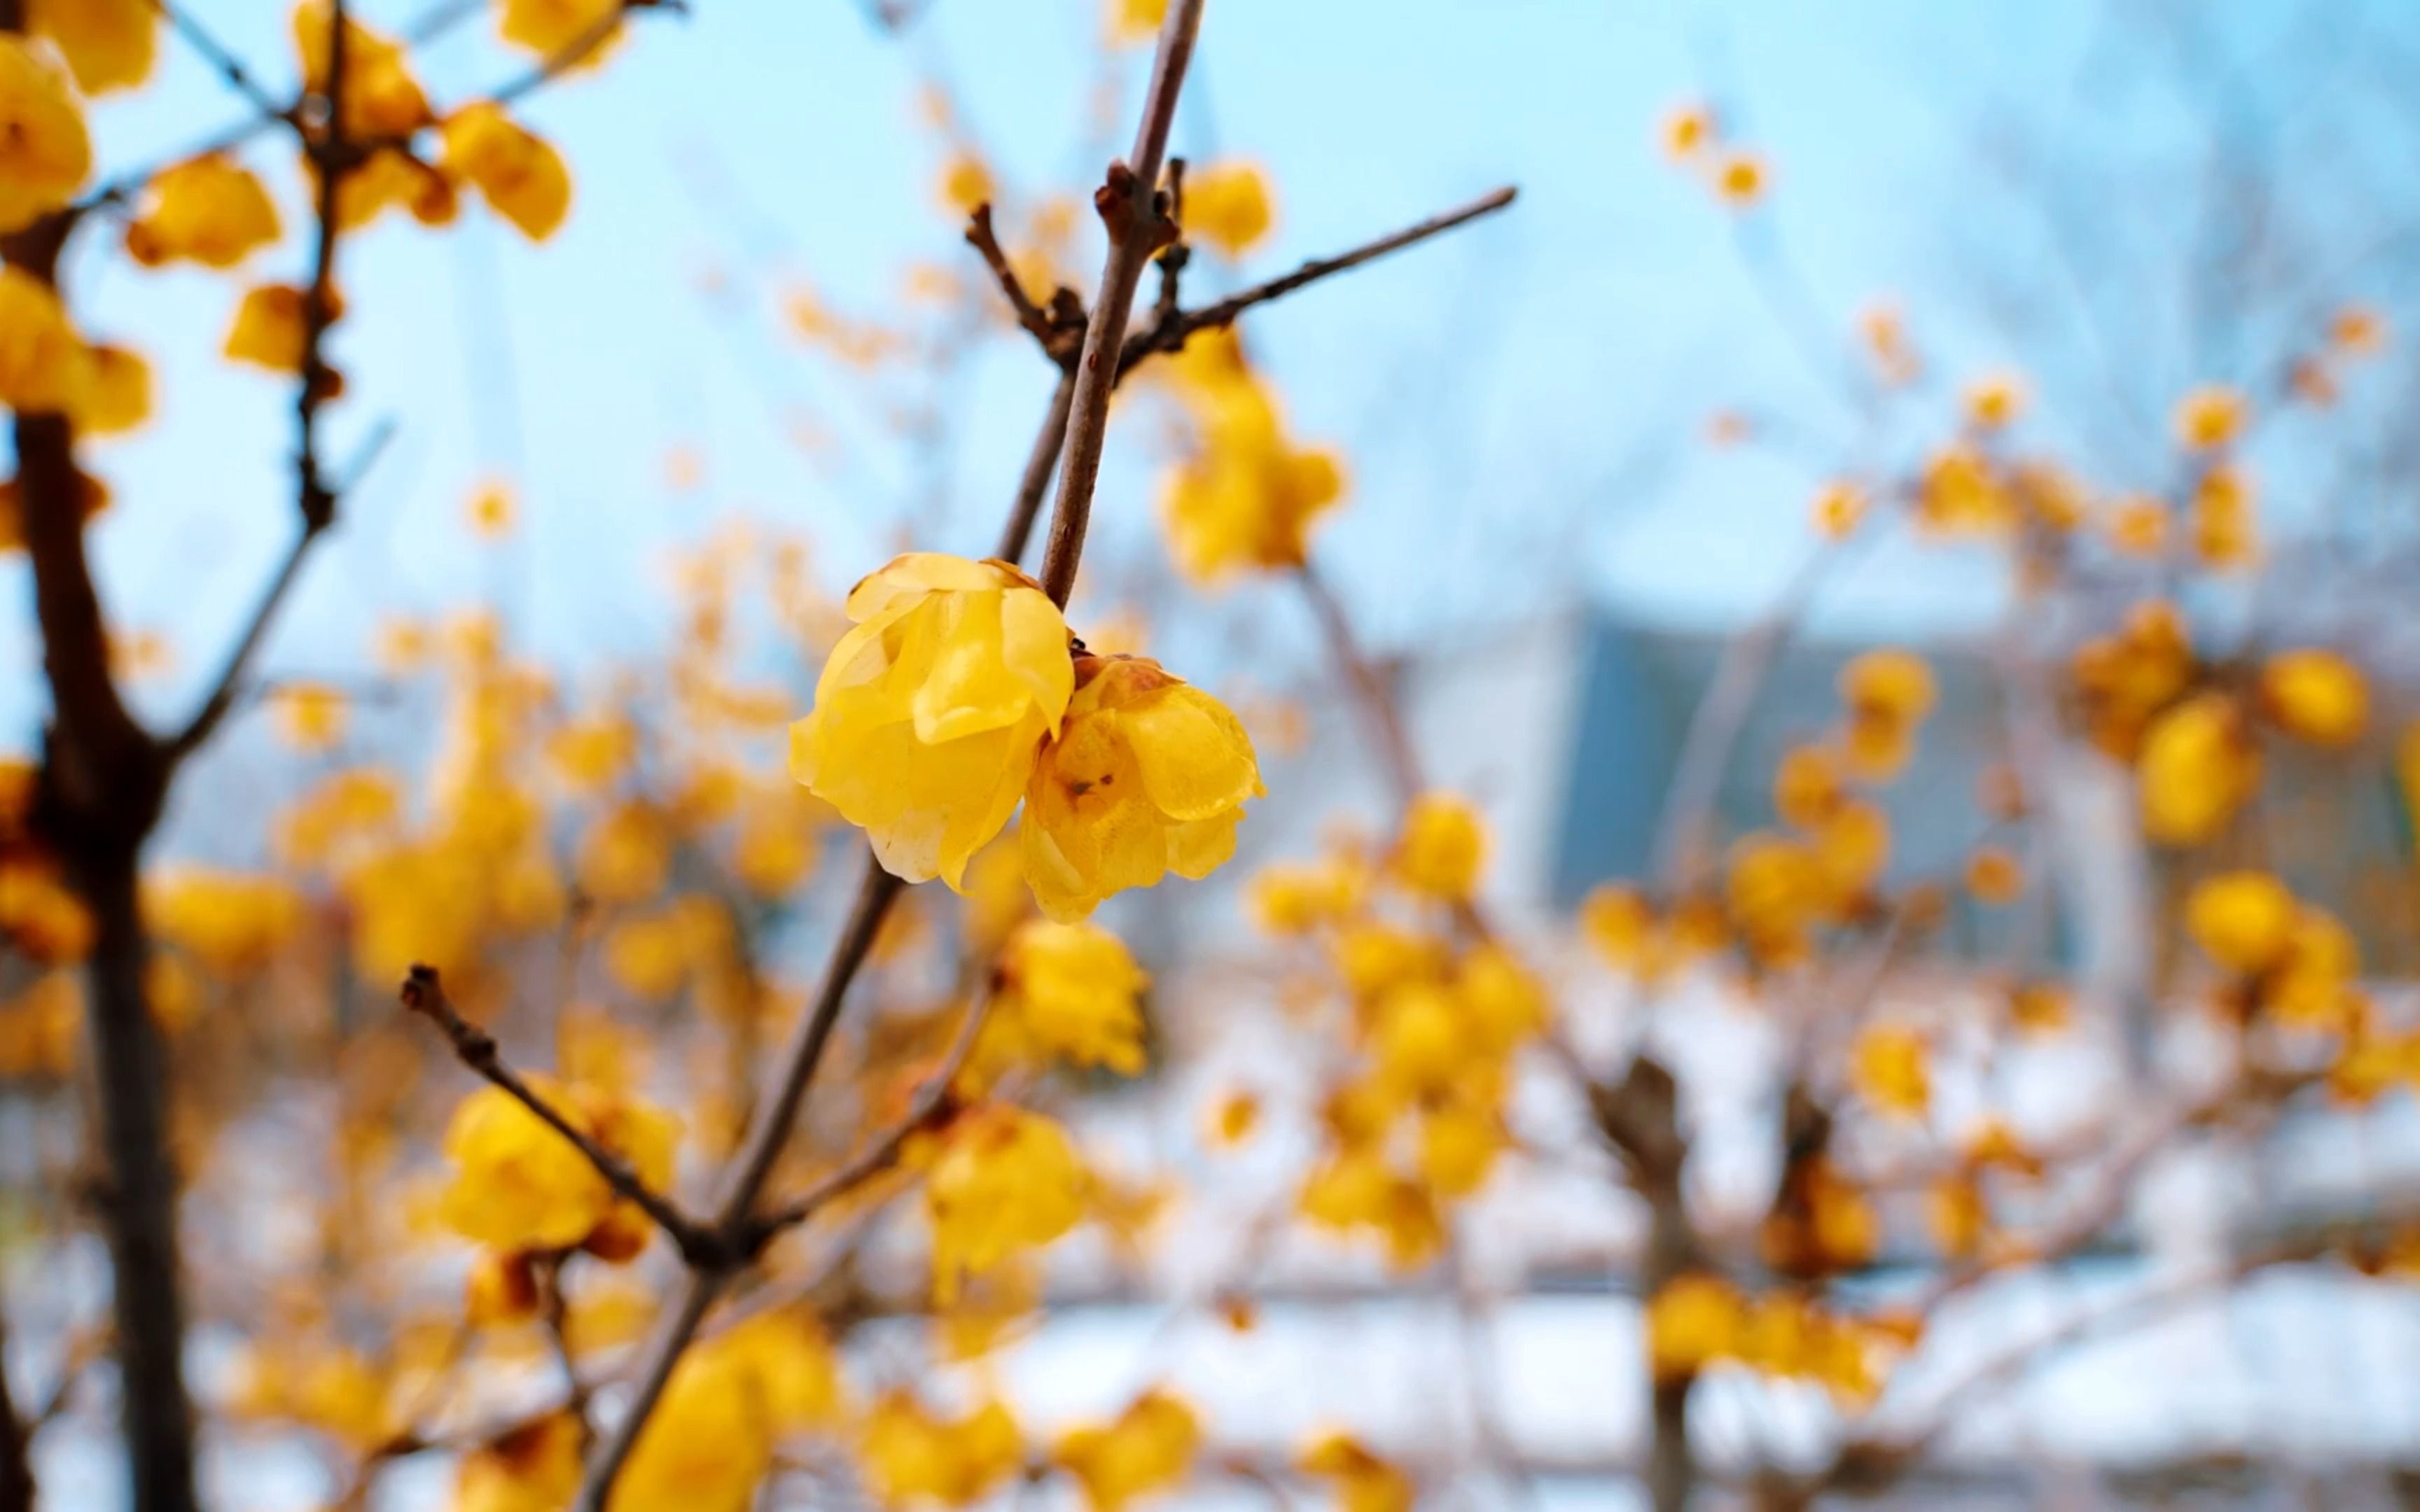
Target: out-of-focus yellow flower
{"type": "Point", "coordinates": [115, 396]}
{"type": "Point", "coordinates": [502, 1288]}
{"type": "Point", "coordinates": [42, 362]}
{"type": "Point", "coordinates": [1248, 496]}
{"type": "Point", "coordinates": [1228, 206]}
{"type": "Point", "coordinates": [1443, 847]}
{"type": "Point", "coordinates": [627, 855]}
{"type": "Point", "coordinates": [1146, 1449]}
{"type": "Point", "coordinates": [2316, 695]}
{"type": "Point", "coordinates": [1887, 342]}
{"type": "Point", "coordinates": [381, 97]}
{"type": "Point", "coordinates": [492, 509]}
{"type": "Point", "coordinates": [708, 1445]}
{"type": "Point", "coordinates": [1686, 131]}
{"type": "Point", "coordinates": [1458, 1148]}
{"type": "Point", "coordinates": [931, 713]}
{"type": "Point", "coordinates": [1839, 507]}
{"type": "Point", "coordinates": [1740, 178]}
{"type": "Point", "coordinates": [1807, 786]}
{"type": "Point", "coordinates": [518, 1185]}
{"type": "Point", "coordinates": [1292, 898]}
{"type": "Point", "coordinates": [1961, 494]}
{"type": "Point", "coordinates": [45, 154]}
{"type": "Point", "coordinates": [2198, 766]}
{"type": "Point", "coordinates": [1994, 400]}
{"type": "Point", "coordinates": [2244, 920]}
{"type": "Point", "coordinates": [269, 327]}
{"type": "Point", "coordinates": [1887, 693]}
{"type": "Point", "coordinates": [2129, 677]}
{"type": "Point", "coordinates": [209, 210]}
{"type": "Point", "coordinates": [1773, 888]}
{"type": "Point", "coordinates": [1891, 1068]}
{"type": "Point", "coordinates": [1957, 1215]}
{"type": "Point", "coordinates": [2040, 1008]}
{"type": "Point", "coordinates": [1620, 922]}
{"type": "Point", "coordinates": [2210, 417]}
{"type": "Point", "coordinates": [1006, 1181]}
{"type": "Point", "coordinates": [522, 178]}
{"type": "Point", "coordinates": [2226, 531]}
{"type": "Point", "coordinates": [1363, 1481]}
{"type": "Point", "coordinates": [41, 1027]}
{"type": "Point", "coordinates": [797, 1370]}
{"type": "Point", "coordinates": [108, 44]}
{"type": "Point", "coordinates": [2139, 527]}
{"type": "Point", "coordinates": [1354, 1191]}
{"type": "Point", "coordinates": [311, 716]}
{"type": "Point", "coordinates": [1233, 1118]}
{"type": "Point", "coordinates": [1694, 1321]}
{"type": "Point", "coordinates": [1070, 990]}
{"type": "Point", "coordinates": [910, 1452]}
{"type": "Point", "coordinates": [965, 183]}
{"type": "Point", "coordinates": [2359, 330]}
{"type": "Point", "coordinates": [1995, 875]}
{"type": "Point", "coordinates": [1148, 775]}
{"type": "Point", "coordinates": [227, 921]}
{"type": "Point", "coordinates": [534, 1468]}
{"type": "Point", "coordinates": [553, 29]}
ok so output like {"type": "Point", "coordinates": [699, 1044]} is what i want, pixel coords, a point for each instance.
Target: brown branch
{"type": "Point", "coordinates": [986, 241]}
{"type": "Point", "coordinates": [1128, 201]}
{"type": "Point", "coordinates": [1039, 465]}
{"type": "Point", "coordinates": [1376, 700]}
{"type": "Point", "coordinates": [931, 1105]}
{"type": "Point", "coordinates": [1168, 334]}
{"type": "Point", "coordinates": [425, 995]}
{"type": "Point", "coordinates": [16, 1435]}
{"type": "Point", "coordinates": [767, 1133]}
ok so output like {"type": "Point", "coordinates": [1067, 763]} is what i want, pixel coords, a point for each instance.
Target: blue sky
{"type": "Point", "coordinates": [1520, 402]}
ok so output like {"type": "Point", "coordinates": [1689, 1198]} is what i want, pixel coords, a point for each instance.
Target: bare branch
{"type": "Point", "coordinates": [931, 1104]}
{"type": "Point", "coordinates": [980, 236]}
{"type": "Point", "coordinates": [425, 995]}
{"type": "Point", "coordinates": [1039, 465]}
{"type": "Point", "coordinates": [1129, 205]}
{"type": "Point", "coordinates": [1167, 336]}
{"type": "Point", "coordinates": [224, 59]}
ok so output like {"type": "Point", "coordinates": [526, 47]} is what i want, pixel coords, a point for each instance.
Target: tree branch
{"type": "Point", "coordinates": [224, 59]}
{"type": "Point", "coordinates": [1166, 335]}
{"type": "Point", "coordinates": [425, 994]}
{"type": "Point", "coordinates": [1129, 205]}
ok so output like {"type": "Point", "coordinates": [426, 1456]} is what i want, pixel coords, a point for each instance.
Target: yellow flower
{"type": "Point", "coordinates": [930, 713]}
{"type": "Point", "coordinates": [1364, 1482]}
{"type": "Point", "coordinates": [1354, 1189]}
{"type": "Point", "coordinates": [1148, 1448]}
{"type": "Point", "coordinates": [1688, 130]}
{"type": "Point", "coordinates": [2244, 920]}
{"type": "Point", "coordinates": [2226, 534]}
{"type": "Point", "coordinates": [2139, 527]}
{"type": "Point", "coordinates": [1891, 1070]}
{"type": "Point", "coordinates": [910, 1452]}
{"type": "Point", "coordinates": [708, 1445]}
{"type": "Point", "coordinates": [534, 1468]}
{"type": "Point", "coordinates": [1838, 508]}
{"type": "Point", "coordinates": [311, 716]}
{"type": "Point", "coordinates": [2198, 766]}
{"type": "Point", "coordinates": [1993, 875]}
{"type": "Point", "coordinates": [2208, 417]}
{"type": "Point", "coordinates": [228, 922]}
{"type": "Point", "coordinates": [1741, 180]}
{"type": "Point", "coordinates": [209, 210]}
{"type": "Point", "coordinates": [1443, 847]}
{"type": "Point", "coordinates": [1957, 1214]}
{"type": "Point", "coordinates": [1994, 400]}
{"type": "Point", "coordinates": [1773, 888]}
{"type": "Point", "coordinates": [1148, 775]}
{"type": "Point", "coordinates": [1693, 1320]}
{"type": "Point", "coordinates": [965, 183]}
{"type": "Point", "coordinates": [518, 1185]}
{"type": "Point", "coordinates": [522, 178]}
{"type": "Point", "coordinates": [44, 152]}
{"type": "Point", "coordinates": [382, 99]}
{"type": "Point", "coordinates": [500, 1288]}
{"type": "Point", "coordinates": [1887, 342]}
{"type": "Point", "coordinates": [625, 856]}
{"type": "Point", "coordinates": [2316, 695]}
{"type": "Point", "coordinates": [1808, 788]}
{"type": "Point", "coordinates": [1962, 495]}
{"type": "Point", "coordinates": [1233, 1118]}
{"type": "Point", "coordinates": [1070, 990]}
{"type": "Point", "coordinates": [115, 393]}
{"type": "Point", "coordinates": [1227, 206]}
{"type": "Point", "coordinates": [1458, 1148]}
{"type": "Point", "coordinates": [108, 43]}
{"type": "Point", "coordinates": [551, 27]}
{"type": "Point", "coordinates": [1135, 21]}
{"type": "Point", "coordinates": [1007, 1181]}
{"type": "Point", "coordinates": [1620, 923]}
{"type": "Point", "coordinates": [797, 1371]}
{"type": "Point", "coordinates": [268, 328]}
{"type": "Point", "coordinates": [41, 361]}
{"type": "Point", "coordinates": [1290, 898]}
{"type": "Point", "coordinates": [2359, 330]}
{"type": "Point", "coordinates": [1887, 693]}
{"type": "Point", "coordinates": [1248, 496]}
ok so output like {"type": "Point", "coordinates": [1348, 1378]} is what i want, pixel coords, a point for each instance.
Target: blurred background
{"type": "Point", "coordinates": [1585, 542]}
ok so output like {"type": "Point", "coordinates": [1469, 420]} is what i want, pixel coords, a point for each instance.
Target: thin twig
{"type": "Point", "coordinates": [931, 1104]}
{"type": "Point", "coordinates": [1169, 336]}
{"type": "Point", "coordinates": [1128, 203]}
{"type": "Point", "coordinates": [986, 241]}
{"type": "Point", "coordinates": [425, 995]}
{"type": "Point", "coordinates": [224, 59]}
{"type": "Point", "coordinates": [1376, 699]}
{"type": "Point", "coordinates": [1039, 464]}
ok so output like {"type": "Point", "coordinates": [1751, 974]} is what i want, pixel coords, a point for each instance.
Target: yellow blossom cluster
{"type": "Point", "coordinates": [1245, 497]}
{"type": "Point", "coordinates": [1698, 1320]}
